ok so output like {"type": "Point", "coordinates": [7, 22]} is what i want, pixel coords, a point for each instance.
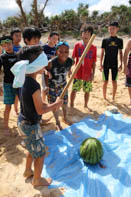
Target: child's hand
{"type": "Point", "coordinates": [59, 102]}
{"type": "Point", "coordinates": [101, 68]}
{"type": "Point", "coordinates": [48, 74]}
{"type": "Point", "coordinates": [69, 73]}
{"type": "Point", "coordinates": [1, 92]}
{"type": "Point", "coordinates": [126, 71]}
{"type": "Point", "coordinates": [120, 68]}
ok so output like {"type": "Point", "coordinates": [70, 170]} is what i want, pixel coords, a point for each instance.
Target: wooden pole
{"type": "Point", "coordinates": [78, 64]}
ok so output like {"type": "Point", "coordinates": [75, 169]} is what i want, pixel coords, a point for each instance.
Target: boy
{"type": "Point", "coordinates": [32, 107]}
{"type": "Point", "coordinates": [16, 37]}
{"type": "Point", "coordinates": [7, 60]}
{"type": "Point", "coordinates": [85, 74]}
{"type": "Point", "coordinates": [31, 36]}
{"type": "Point", "coordinates": [59, 67]}
{"type": "Point", "coordinates": [127, 67]}
{"type": "Point", "coordinates": [50, 51]}
{"type": "Point", "coordinates": [110, 47]}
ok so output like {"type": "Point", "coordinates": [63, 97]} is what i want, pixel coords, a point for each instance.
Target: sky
{"type": "Point", "coordinates": [10, 8]}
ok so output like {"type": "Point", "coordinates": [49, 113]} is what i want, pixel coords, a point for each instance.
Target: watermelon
{"type": "Point", "coordinates": [91, 151]}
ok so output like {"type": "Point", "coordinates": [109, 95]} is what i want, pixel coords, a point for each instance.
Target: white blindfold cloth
{"type": "Point", "coordinates": [23, 67]}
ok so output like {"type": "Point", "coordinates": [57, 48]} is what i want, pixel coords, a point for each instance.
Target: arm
{"type": "Point", "coordinates": [93, 70]}
{"type": "Point", "coordinates": [126, 52]}
{"type": "Point", "coordinates": [41, 107]}
{"type": "Point", "coordinates": [121, 59]}
{"type": "Point", "coordinates": [70, 71]}
{"type": "Point", "coordinates": [101, 58]}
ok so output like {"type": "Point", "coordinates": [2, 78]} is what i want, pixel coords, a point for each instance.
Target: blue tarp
{"type": "Point", "coordinates": [68, 170]}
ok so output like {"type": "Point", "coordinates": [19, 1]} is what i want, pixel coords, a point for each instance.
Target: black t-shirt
{"type": "Point", "coordinates": [111, 46]}
{"type": "Point", "coordinates": [28, 111]}
{"type": "Point", "coordinates": [7, 60]}
{"type": "Point", "coordinates": [59, 72]}
{"type": "Point", "coordinates": [49, 51]}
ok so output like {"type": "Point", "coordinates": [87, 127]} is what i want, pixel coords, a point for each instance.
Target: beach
{"type": "Point", "coordinates": [13, 155]}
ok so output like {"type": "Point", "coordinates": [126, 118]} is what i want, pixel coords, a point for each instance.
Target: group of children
{"type": "Point", "coordinates": [52, 61]}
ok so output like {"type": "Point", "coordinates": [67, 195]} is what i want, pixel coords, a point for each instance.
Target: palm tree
{"type": "Point", "coordinates": [83, 12]}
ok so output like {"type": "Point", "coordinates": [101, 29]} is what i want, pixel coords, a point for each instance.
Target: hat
{"type": "Point", "coordinates": [115, 24]}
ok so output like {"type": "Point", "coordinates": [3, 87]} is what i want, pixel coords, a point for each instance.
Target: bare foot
{"type": "Point", "coordinates": [72, 105]}
{"type": "Point", "coordinates": [41, 182]}
{"type": "Point", "coordinates": [7, 132]}
{"type": "Point", "coordinates": [89, 109]}
{"type": "Point", "coordinates": [58, 127]}
{"type": "Point", "coordinates": [15, 113]}
{"type": "Point", "coordinates": [67, 122]}
{"type": "Point", "coordinates": [28, 173]}
{"type": "Point", "coordinates": [43, 122]}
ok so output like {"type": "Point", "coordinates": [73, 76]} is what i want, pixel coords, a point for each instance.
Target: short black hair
{"type": "Point", "coordinates": [13, 31]}
{"type": "Point", "coordinates": [30, 52]}
{"type": "Point", "coordinates": [87, 28]}
{"type": "Point", "coordinates": [54, 33]}
{"type": "Point", "coordinates": [115, 24]}
{"type": "Point", "coordinates": [6, 37]}
{"type": "Point", "coordinates": [31, 32]}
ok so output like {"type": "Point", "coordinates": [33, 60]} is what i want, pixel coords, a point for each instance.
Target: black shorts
{"type": "Point", "coordinates": [114, 72]}
{"type": "Point", "coordinates": [128, 81]}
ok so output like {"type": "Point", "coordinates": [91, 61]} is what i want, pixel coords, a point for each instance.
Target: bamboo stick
{"type": "Point", "coordinates": [78, 65]}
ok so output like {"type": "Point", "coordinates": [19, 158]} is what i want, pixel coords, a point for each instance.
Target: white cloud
{"type": "Point", "coordinates": [105, 5]}
{"type": "Point", "coordinates": [10, 8]}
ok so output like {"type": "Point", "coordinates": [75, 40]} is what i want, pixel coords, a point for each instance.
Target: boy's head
{"type": "Point", "coordinates": [31, 36]}
{"type": "Point", "coordinates": [113, 28]}
{"type": "Point", "coordinates": [53, 38]}
{"type": "Point", "coordinates": [30, 53]}
{"type": "Point", "coordinates": [62, 51]}
{"type": "Point", "coordinates": [16, 36]}
{"type": "Point", "coordinates": [86, 33]}
{"type": "Point", "coordinates": [7, 43]}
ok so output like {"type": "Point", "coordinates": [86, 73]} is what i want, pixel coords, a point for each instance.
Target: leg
{"type": "Point", "coordinates": [114, 85]}
{"type": "Point", "coordinates": [86, 98]}
{"type": "Point", "coordinates": [38, 180]}
{"type": "Point", "coordinates": [72, 98]}
{"type": "Point", "coordinates": [114, 82]}
{"type": "Point", "coordinates": [6, 118]}
{"type": "Point", "coordinates": [105, 89]}
{"type": "Point", "coordinates": [87, 88]}
{"type": "Point", "coordinates": [58, 125]}
{"type": "Point", "coordinates": [105, 76]}
{"type": "Point", "coordinates": [129, 90]}
{"type": "Point", "coordinates": [65, 120]}
{"type": "Point", "coordinates": [77, 84]}
{"type": "Point", "coordinates": [16, 104]}
{"type": "Point", "coordinates": [28, 171]}
{"type": "Point", "coordinates": [128, 84]}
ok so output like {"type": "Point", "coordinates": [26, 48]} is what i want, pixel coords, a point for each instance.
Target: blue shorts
{"type": "Point", "coordinates": [33, 139]}
{"type": "Point", "coordinates": [9, 94]}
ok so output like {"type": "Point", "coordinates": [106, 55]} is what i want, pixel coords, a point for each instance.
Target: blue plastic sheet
{"type": "Point", "coordinates": [68, 170]}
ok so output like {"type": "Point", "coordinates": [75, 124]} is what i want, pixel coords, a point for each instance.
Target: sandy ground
{"type": "Point", "coordinates": [12, 155]}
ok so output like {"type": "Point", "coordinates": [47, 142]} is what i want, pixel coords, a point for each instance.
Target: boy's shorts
{"type": "Point", "coordinates": [114, 72]}
{"type": "Point", "coordinates": [33, 139]}
{"type": "Point", "coordinates": [56, 92]}
{"type": "Point", "coordinates": [78, 84]}
{"type": "Point", "coordinates": [9, 93]}
{"type": "Point", "coordinates": [128, 81]}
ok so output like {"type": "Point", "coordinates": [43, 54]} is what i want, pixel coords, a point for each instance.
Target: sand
{"type": "Point", "coordinates": [12, 154]}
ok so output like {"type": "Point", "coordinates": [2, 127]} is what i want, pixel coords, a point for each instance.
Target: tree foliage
{"type": "Point", "coordinates": [70, 20]}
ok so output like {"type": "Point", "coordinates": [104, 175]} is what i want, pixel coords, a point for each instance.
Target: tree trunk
{"type": "Point", "coordinates": [19, 3]}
